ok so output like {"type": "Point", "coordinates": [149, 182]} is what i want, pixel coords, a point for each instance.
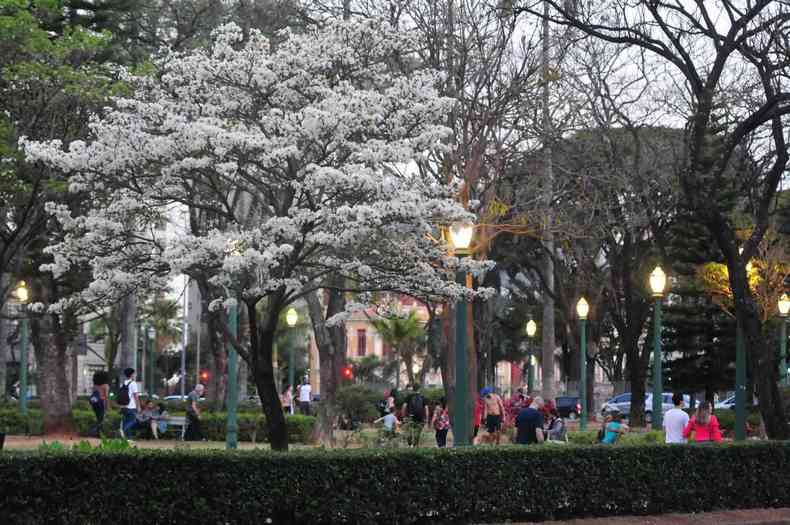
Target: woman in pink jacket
{"type": "Point", "coordinates": [704, 425]}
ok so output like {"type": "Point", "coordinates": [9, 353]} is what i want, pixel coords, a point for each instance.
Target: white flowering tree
{"type": "Point", "coordinates": [294, 164]}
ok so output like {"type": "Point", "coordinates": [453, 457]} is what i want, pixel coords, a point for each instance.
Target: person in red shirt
{"type": "Point", "coordinates": [704, 425]}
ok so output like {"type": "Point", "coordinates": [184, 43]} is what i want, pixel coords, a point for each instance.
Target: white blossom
{"type": "Point", "coordinates": [291, 154]}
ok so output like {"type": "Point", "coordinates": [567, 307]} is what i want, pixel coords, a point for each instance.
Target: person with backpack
{"type": "Point", "coordinates": [99, 400]}
{"type": "Point", "coordinates": [129, 400]}
{"type": "Point", "coordinates": [704, 425]}
{"type": "Point", "coordinates": [416, 416]}
{"type": "Point", "coordinates": [441, 423]}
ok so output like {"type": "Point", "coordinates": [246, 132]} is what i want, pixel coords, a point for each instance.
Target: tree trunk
{"type": "Point", "coordinates": [761, 354]}
{"type": "Point", "coordinates": [4, 354]}
{"type": "Point", "coordinates": [128, 314]}
{"type": "Point", "coordinates": [50, 347]}
{"type": "Point", "coordinates": [636, 371]}
{"type": "Point", "coordinates": [331, 343]}
{"type": "Point", "coordinates": [261, 352]}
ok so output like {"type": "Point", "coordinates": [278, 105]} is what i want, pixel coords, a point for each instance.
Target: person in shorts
{"type": "Point", "coordinates": [493, 411]}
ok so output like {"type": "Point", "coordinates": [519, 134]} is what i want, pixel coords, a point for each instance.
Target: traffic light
{"type": "Point", "coordinates": [348, 373]}
{"type": "Point", "coordinates": [204, 376]}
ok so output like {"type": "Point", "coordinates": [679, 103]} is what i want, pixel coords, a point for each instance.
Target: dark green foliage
{"type": "Point", "coordinates": [698, 338]}
{"type": "Point", "coordinates": [252, 426]}
{"type": "Point", "coordinates": [358, 402]}
{"type": "Point", "coordinates": [469, 485]}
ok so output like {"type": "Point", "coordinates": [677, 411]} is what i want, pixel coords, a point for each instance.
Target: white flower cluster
{"type": "Point", "coordinates": [293, 155]}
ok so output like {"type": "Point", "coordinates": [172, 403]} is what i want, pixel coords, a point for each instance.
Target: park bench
{"type": "Point", "coordinates": [172, 421]}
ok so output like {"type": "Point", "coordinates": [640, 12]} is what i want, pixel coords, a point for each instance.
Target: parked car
{"type": "Point", "coordinates": [568, 406]}
{"type": "Point", "coordinates": [622, 404]}
{"type": "Point", "coordinates": [729, 403]}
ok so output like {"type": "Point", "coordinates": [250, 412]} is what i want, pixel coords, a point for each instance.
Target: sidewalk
{"type": "Point", "coordinates": [780, 516]}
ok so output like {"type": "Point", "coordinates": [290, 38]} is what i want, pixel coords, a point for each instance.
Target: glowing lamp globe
{"type": "Point", "coordinates": [784, 305]}
{"type": "Point", "coordinates": [582, 308]}
{"type": "Point", "coordinates": [461, 236]}
{"type": "Point", "coordinates": [291, 317]}
{"type": "Point", "coordinates": [532, 328]}
{"type": "Point", "coordinates": [658, 281]}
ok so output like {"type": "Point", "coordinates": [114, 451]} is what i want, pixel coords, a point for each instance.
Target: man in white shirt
{"type": "Point", "coordinates": [675, 420]}
{"type": "Point", "coordinates": [129, 410]}
{"type": "Point", "coordinates": [305, 392]}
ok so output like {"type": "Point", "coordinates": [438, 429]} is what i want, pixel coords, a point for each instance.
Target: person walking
{"type": "Point", "coordinates": [129, 401]}
{"type": "Point", "coordinates": [493, 412]}
{"type": "Point", "coordinates": [675, 421]}
{"type": "Point", "coordinates": [305, 397]}
{"type": "Point", "coordinates": [529, 423]}
{"type": "Point", "coordinates": [416, 414]}
{"type": "Point", "coordinates": [704, 425]}
{"type": "Point", "coordinates": [99, 400]}
{"type": "Point", "coordinates": [194, 431]}
{"type": "Point", "coordinates": [441, 423]}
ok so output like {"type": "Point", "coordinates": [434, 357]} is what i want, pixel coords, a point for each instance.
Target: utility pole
{"type": "Point", "coordinates": [547, 326]}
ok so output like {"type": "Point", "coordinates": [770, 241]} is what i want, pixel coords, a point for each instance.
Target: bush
{"type": "Point", "coordinates": [358, 402]}
{"type": "Point", "coordinates": [484, 484]}
{"type": "Point", "coordinates": [251, 425]}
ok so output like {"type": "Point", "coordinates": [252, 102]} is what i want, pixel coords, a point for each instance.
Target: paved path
{"type": "Point", "coordinates": [732, 517]}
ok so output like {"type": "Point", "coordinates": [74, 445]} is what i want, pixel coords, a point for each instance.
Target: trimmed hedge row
{"type": "Point", "coordinates": [485, 484]}
{"type": "Point", "coordinates": [300, 428]}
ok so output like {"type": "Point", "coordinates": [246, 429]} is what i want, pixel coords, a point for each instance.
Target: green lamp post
{"type": "Point", "coordinates": [291, 318]}
{"type": "Point", "coordinates": [582, 310]}
{"type": "Point", "coordinates": [232, 432]}
{"type": "Point", "coordinates": [784, 310]}
{"type": "Point", "coordinates": [658, 281]}
{"type": "Point", "coordinates": [532, 329]}
{"type": "Point", "coordinates": [461, 240]}
{"type": "Point", "coordinates": [22, 295]}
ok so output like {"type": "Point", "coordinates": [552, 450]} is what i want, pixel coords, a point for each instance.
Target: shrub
{"type": "Point", "coordinates": [478, 484]}
{"type": "Point", "coordinates": [358, 402]}
{"type": "Point", "coordinates": [251, 425]}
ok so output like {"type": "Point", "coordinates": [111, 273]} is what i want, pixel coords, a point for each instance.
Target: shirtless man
{"type": "Point", "coordinates": [493, 410]}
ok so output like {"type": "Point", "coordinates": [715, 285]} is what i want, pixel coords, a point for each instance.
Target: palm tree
{"type": "Point", "coordinates": [406, 336]}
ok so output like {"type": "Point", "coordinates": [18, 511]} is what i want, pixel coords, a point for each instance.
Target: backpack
{"type": "Point", "coordinates": [417, 407]}
{"type": "Point", "coordinates": [95, 399]}
{"type": "Point", "coordinates": [122, 397]}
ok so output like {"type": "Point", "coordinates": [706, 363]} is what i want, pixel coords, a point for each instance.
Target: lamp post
{"type": "Point", "coordinates": [291, 318]}
{"type": "Point", "coordinates": [22, 295]}
{"type": "Point", "coordinates": [151, 342]}
{"type": "Point", "coordinates": [784, 309]}
{"type": "Point", "coordinates": [658, 281]}
{"type": "Point", "coordinates": [582, 310]}
{"type": "Point", "coordinates": [231, 435]}
{"type": "Point", "coordinates": [532, 329]}
{"type": "Point", "coordinates": [461, 239]}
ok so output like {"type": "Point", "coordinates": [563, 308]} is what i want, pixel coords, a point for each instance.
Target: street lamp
{"type": "Point", "coordinates": [582, 310]}
{"type": "Point", "coordinates": [232, 433]}
{"type": "Point", "coordinates": [658, 281]}
{"type": "Point", "coordinates": [461, 240]}
{"type": "Point", "coordinates": [151, 342]}
{"type": "Point", "coordinates": [22, 296]}
{"type": "Point", "coordinates": [291, 318]}
{"type": "Point", "coordinates": [784, 310]}
{"type": "Point", "coordinates": [532, 329]}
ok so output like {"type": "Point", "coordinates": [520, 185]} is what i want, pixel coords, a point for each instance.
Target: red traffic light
{"type": "Point", "coordinates": [348, 373]}
{"type": "Point", "coordinates": [204, 375]}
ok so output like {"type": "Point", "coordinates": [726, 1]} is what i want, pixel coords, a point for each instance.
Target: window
{"type": "Point", "coordinates": [362, 342]}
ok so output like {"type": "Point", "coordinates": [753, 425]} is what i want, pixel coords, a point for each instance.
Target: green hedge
{"type": "Point", "coordinates": [484, 484]}
{"type": "Point", "coordinates": [590, 437]}
{"type": "Point", "coordinates": [300, 428]}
